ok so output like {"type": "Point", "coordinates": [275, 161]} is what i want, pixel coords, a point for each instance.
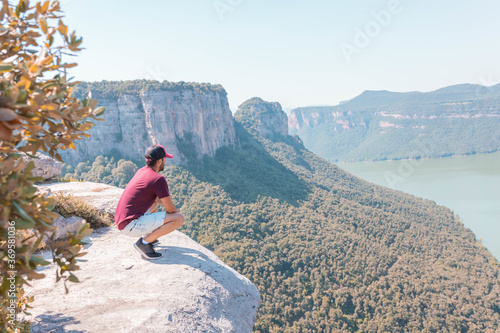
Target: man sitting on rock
{"type": "Point", "coordinates": [136, 213]}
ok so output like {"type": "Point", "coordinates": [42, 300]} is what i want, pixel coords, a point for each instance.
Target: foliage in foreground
{"type": "Point", "coordinates": [37, 113]}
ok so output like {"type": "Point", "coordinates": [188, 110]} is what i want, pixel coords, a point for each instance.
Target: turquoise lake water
{"type": "Point", "coordinates": [470, 185]}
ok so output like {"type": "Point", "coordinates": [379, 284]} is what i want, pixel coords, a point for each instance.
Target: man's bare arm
{"type": "Point", "coordinates": [169, 205]}
{"type": "Point", "coordinates": [154, 206]}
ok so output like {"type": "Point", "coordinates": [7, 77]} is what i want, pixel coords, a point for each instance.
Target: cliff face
{"type": "Point", "coordinates": [302, 119]}
{"type": "Point", "coordinates": [184, 121]}
{"type": "Point", "coordinates": [265, 118]}
{"type": "Point", "coordinates": [274, 122]}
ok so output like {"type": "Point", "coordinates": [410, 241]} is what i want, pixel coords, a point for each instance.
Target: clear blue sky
{"type": "Point", "coordinates": [290, 51]}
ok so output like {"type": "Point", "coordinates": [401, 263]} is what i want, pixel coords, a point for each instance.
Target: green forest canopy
{"type": "Point", "coordinates": [328, 251]}
{"type": "Point", "coordinates": [113, 89]}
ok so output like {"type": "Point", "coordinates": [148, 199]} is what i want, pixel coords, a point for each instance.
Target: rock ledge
{"type": "Point", "coordinates": [188, 290]}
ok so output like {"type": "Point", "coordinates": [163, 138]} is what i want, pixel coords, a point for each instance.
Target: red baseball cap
{"type": "Point", "coordinates": [156, 152]}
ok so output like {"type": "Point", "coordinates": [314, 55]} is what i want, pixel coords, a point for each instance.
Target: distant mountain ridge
{"type": "Point", "coordinates": [460, 92]}
{"type": "Point", "coordinates": [379, 125]}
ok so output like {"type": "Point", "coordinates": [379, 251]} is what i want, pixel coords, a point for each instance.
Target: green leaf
{"type": "Point", "coordinates": [29, 167]}
{"type": "Point", "coordinates": [48, 85]}
{"type": "Point", "coordinates": [99, 111]}
{"type": "Point", "coordinates": [21, 98]}
{"type": "Point", "coordinates": [4, 67]}
{"type": "Point", "coordinates": [73, 278]}
{"type": "Point", "coordinates": [38, 242]}
{"type": "Point", "coordinates": [21, 212]}
{"type": "Point", "coordinates": [45, 224]}
{"type": "Point", "coordinates": [23, 224]}
{"type": "Point", "coordinates": [85, 241]}
{"type": "Point", "coordinates": [39, 260]}
{"type": "Point", "coordinates": [37, 179]}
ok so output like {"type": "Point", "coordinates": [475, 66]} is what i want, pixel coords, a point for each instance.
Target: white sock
{"type": "Point", "coordinates": [144, 242]}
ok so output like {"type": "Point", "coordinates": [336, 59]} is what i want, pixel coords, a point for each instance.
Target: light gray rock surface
{"type": "Point", "coordinates": [188, 290]}
{"type": "Point", "coordinates": [101, 196]}
{"type": "Point", "coordinates": [45, 166]}
{"type": "Point", "coordinates": [65, 225]}
{"type": "Point", "coordinates": [266, 118]}
{"type": "Point", "coordinates": [273, 122]}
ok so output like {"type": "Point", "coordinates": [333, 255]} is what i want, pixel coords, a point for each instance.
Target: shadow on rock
{"type": "Point", "coordinates": [173, 255]}
{"type": "Point", "coordinates": [53, 323]}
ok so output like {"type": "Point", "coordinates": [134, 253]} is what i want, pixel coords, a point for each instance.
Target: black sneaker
{"type": "Point", "coordinates": [155, 242]}
{"type": "Point", "coordinates": [146, 250]}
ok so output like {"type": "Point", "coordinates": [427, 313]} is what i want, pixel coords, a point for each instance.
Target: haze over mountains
{"type": "Point", "coordinates": [328, 251]}
{"type": "Point", "coordinates": [379, 125]}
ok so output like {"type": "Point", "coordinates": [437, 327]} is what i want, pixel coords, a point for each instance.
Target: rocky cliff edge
{"type": "Point", "coordinates": [188, 290]}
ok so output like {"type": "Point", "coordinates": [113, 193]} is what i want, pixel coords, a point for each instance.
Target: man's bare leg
{"type": "Point", "coordinates": [171, 223]}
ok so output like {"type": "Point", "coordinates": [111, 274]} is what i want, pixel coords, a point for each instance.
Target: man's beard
{"type": "Point", "coordinates": [162, 166]}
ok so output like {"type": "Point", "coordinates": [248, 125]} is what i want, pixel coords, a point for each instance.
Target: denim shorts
{"type": "Point", "coordinates": [144, 225]}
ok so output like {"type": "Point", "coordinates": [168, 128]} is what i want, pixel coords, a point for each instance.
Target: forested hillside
{"type": "Point", "coordinates": [379, 125]}
{"type": "Point", "coordinates": [328, 251]}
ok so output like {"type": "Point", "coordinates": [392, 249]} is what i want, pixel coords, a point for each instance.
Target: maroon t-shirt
{"type": "Point", "coordinates": [139, 195]}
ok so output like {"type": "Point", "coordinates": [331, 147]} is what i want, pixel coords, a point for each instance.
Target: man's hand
{"type": "Point", "coordinates": [154, 206]}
